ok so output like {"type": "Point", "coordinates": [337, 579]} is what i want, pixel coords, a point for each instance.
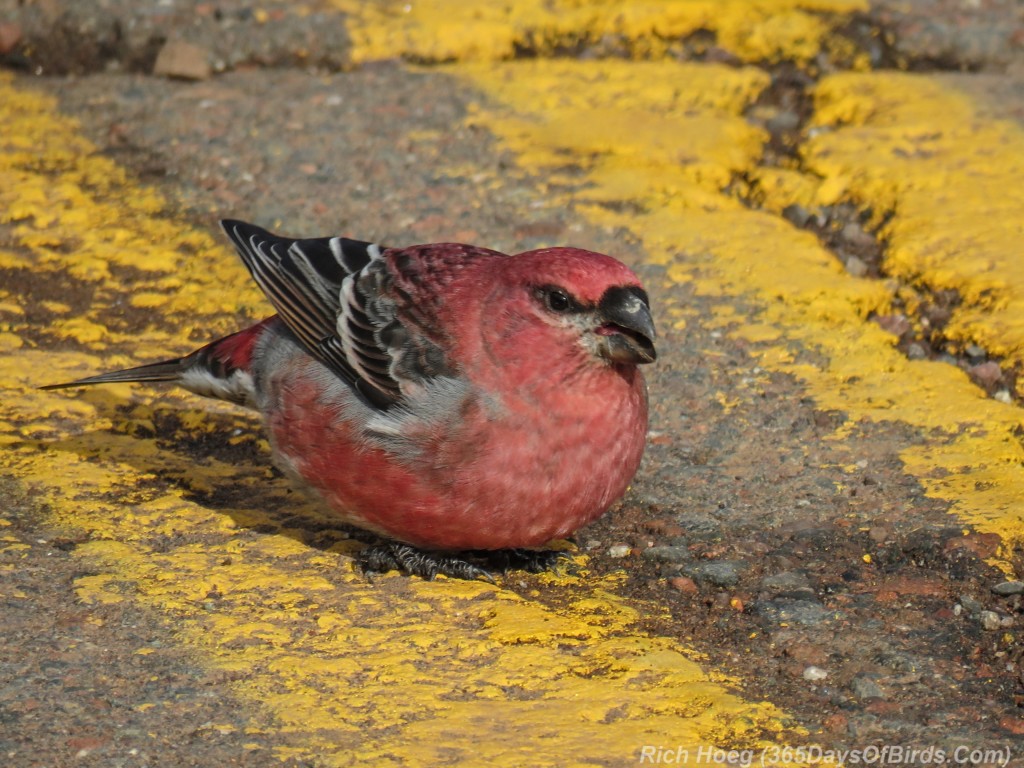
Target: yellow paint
{"type": "Point", "coordinates": [324, 649]}
{"type": "Point", "coordinates": [61, 198]}
{"type": "Point", "coordinates": [890, 141]}
{"type": "Point", "coordinates": [389, 672]}
{"type": "Point", "coordinates": [453, 30]}
{"type": "Point", "coordinates": [953, 174]}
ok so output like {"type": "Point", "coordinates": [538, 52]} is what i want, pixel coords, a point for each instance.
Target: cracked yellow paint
{"type": "Point", "coordinates": [394, 672]}
{"type": "Point", "coordinates": [891, 142]}
{"type": "Point", "coordinates": [64, 204]}
{"type": "Point", "coordinates": [453, 30]}
{"type": "Point", "coordinates": [923, 148]}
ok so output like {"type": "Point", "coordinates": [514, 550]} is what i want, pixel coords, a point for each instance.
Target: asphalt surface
{"type": "Point", "coordinates": [783, 542]}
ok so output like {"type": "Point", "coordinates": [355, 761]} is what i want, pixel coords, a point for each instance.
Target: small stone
{"type": "Point", "coordinates": [856, 267]}
{"type": "Point", "coordinates": [718, 573]}
{"type": "Point", "coordinates": [789, 611]}
{"type": "Point", "coordinates": [814, 674]}
{"type": "Point", "coordinates": [684, 584]}
{"type": "Point", "coordinates": [618, 550]}
{"type": "Point", "coordinates": [895, 324]}
{"type": "Point", "coordinates": [972, 606]}
{"type": "Point", "coordinates": [854, 234]}
{"type": "Point", "coordinates": [1008, 588]}
{"type": "Point", "coordinates": [1003, 396]}
{"type": "Point", "coordinates": [986, 375]}
{"type": "Point", "coordinates": [916, 352]}
{"type": "Point", "coordinates": [981, 544]}
{"type": "Point", "coordinates": [668, 554]}
{"type": "Point", "coordinates": [186, 61]}
{"type": "Point", "coordinates": [975, 352]}
{"type": "Point", "coordinates": [698, 524]}
{"type": "Point", "coordinates": [990, 620]}
{"type": "Point", "coordinates": [785, 120]}
{"type": "Point", "coordinates": [878, 534]}
{"type": "Point", "coordinates": [785, 581]}
{"type": "Point", "coordinates": [10, 36]}
{"type": "Point", "coordinates": [808, 654]}
{"type": "Point", "coordinates": [797, 215]}
{"type": "Point", "coordinates": [866, 688]}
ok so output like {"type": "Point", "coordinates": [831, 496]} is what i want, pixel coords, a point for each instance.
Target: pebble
{"type": "Point", "coordinates": [182, 60]}
{"type": "Point", "coordinates": [785, 120]}
{"type": "Point", "coordinates": [684, 584]}
{"type": "Point", "coordinates": [668, 554]}
{"type": "Point", "coordinates": [916, 352]}
{"type": "Point", "coordinates": [1008, 588]}
{"type": "Point", "coordinates": [814, 674]}
{"type": "Point", "coordinates": [896, 324]}
{"type": "Point", "coordinates": [854, 234]}
{"type": "Point", "coordinates": [856, 267]}
{"type": "Point", "coordinates": [971, 605]}
{"type": "Point", "coordinates": [986, 375]}
{"type": "Point", "coordinates": [785, 581]}
{"type": "Point", "coordinates": [698, 523]}
{"type": "Point", "coordinates": [719, 573]}
{"type": "Point", "coordinates": [990, 620]}
{"type": "Point", "coordinates": [866, 688]}
{"type": "Point", "coordinates": [786, 610]}
{"type": "Point", "coordinates": [618, 550]}
{"type": "Point", "coordinates": [975, 352]}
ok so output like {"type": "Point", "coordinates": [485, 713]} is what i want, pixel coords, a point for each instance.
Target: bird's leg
{"type": "Point", "coordinates": [392, 555]}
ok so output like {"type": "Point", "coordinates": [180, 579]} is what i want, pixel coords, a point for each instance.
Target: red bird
{"type": "Point", "coordinates": [462, 403]}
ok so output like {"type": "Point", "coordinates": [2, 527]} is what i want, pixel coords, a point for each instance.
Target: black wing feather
{"type": "Point", "coordinates": [303, 280]}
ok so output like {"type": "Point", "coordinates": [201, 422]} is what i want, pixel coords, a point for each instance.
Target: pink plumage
{"type": "Point", "coordinates": [447, 397]}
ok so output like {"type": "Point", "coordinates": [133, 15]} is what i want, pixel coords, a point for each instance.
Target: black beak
{"type": "Point", "coordinates": [627, 329]}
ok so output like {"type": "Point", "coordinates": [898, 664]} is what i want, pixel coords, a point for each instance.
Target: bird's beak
{"type": "Point", "coordinates": [626, 333]}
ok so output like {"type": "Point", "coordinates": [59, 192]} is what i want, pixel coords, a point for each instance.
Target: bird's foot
{"type": "Point", "coordinates": [394, 556]}
{"type": "Point", "coordinates": [529, 560]}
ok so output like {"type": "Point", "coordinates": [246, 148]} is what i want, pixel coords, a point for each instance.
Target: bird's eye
{"type": "Point", "coordinates": [557, 301]}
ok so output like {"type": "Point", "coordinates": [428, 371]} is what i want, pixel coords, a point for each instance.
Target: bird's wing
{"type": "Point", "coordinates": [367, 312]}
{"type": "Point", "coordinates": [303, 280]}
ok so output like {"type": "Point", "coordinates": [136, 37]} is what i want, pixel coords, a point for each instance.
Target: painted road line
{"type": "Point", "coordinates": [452, 30]}
{"type": "Point", "coordinates": [393, 672]}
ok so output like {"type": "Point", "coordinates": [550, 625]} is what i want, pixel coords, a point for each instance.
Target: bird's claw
{"type": "Point", "coordinates": [393, 556]}
{"type": "Point", "coordinates": [529, 560]}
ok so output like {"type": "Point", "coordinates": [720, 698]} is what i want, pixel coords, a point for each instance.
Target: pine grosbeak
{"type": "Point", "coordinates": [457, 401]}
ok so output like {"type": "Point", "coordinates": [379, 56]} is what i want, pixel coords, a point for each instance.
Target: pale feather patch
{"type": "Point", "coordinates": [238, 387]}
{"type": "Point", "coordinates": [437, 408]}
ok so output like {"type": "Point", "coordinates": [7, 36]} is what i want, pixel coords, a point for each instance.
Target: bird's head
{"type": "Point", "coordinates": [587, 303]}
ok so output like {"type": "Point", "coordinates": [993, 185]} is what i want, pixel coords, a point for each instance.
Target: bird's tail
{"type": "Point", "coordinates": [222, 369]}
{"type": "Point", "coordinates": [166, 370]}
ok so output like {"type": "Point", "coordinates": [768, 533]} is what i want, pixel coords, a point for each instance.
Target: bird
{"type": "Point", "coordinates": [465, 406]}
